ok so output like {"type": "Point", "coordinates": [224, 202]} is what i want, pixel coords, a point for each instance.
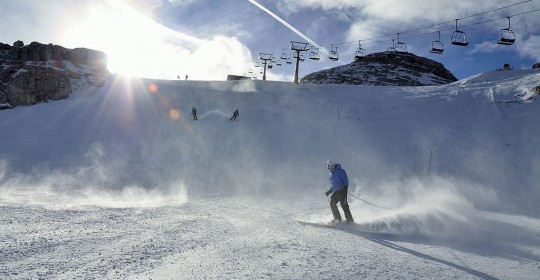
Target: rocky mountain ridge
{"type": "Point", "coordinates": [35, 73]}
{"type": "Point", "coordinates": [385, 69]}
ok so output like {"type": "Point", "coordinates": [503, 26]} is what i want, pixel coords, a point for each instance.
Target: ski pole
{"type": "Point", "coordinates": [368, 202]}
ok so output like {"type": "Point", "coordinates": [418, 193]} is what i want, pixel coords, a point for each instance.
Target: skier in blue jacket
{"type": "Point", "coordinates": [339, 184]}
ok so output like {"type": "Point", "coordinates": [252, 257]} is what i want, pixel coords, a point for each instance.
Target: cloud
{"type": "Point", "coordinates": [376, 18]}
{"type": "Point", "coordinates": [529, 47]}
{"type": "Point", "coordinates": [485, 47]}
{"type": "Point", "coordinates": [136, 45]}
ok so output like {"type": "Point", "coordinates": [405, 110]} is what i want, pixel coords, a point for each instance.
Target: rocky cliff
{"type": "Point", "coordinates": [385, 69]}
{"type": "Point", "coordinates": [38, 73]}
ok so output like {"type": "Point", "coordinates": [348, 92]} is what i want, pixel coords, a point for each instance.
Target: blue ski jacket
{"type": "Point", "coordinates": [338, 179]}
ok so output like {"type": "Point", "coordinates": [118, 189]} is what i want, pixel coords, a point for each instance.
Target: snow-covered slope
{"type": "Point", "coordinates": [118, 182]}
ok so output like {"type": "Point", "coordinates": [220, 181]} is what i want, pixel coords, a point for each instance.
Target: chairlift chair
{"type": "Point", "coordinates": [507, 36]}
{"type": "Point", "coordinates": [437, 46]}
{"type": "Point", "coordinates": [400, 46]}
{"type": "Point", "coordinates": [459, 37]}
{"type": "Point", "coordinates": [283, 55]}
{"type": "Point", "coordinates": [289, 60]}
{"type": "Point", "coordinates": [392, 48]}
{"type": "Point", "coordinates": [270, 65]}
{"type": "Point", "coordinates": [333, 55]}
{"type": "Point", "coordinates": [314, 56]}
{"type": "Point", "coordinates": [360, 52]}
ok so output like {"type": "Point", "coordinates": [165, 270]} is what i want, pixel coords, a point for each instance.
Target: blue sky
{"type": "Point", "coordinates": [208, 39]}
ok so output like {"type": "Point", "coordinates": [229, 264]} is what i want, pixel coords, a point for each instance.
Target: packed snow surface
{"type": "Point", "coordinates": [119, 182]}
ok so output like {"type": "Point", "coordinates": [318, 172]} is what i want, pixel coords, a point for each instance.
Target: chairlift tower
{"type": "Point", "coordinates": [298, 47]}
{"type": "Point", "coordinates": [265, 57]}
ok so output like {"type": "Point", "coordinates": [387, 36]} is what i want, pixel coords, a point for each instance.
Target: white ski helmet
{"type": "Point", "coordinates": [330, 164]}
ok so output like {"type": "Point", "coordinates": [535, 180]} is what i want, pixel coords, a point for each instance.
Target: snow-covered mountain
{"type": "Point", "coordinates": [385, 69]}
{"type": "Point", "coordinates": [119, 182]}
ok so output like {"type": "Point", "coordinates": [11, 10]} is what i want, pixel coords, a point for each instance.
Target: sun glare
{"type": "Point", "coordinates": [136, 45]}
{"type": "Point", "coordinates": [133, 42]}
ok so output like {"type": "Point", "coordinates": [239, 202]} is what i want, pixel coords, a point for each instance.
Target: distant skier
{"type": "Point", "coordinates": [186, 77]}
{"type": "Point", "coordinates": [194, 113]}
{"type": "Point", "coordinates": [235, 115]}
{"type": "Point", "coordinates": [339, 185]}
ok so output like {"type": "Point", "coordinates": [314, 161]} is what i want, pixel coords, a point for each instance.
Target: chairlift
{"type": "Point", "coordinates": [392, 48]}
{"type": "Point", "coordinates": [360, 52]}
{"type": "Point", "coordinates": [400, 46]}
{"type": "Point", "coordinates": [507, 36]}
{"type": "Point", "coordinates": [459, 37]}
{"type": "Point", "coordinates": [333, 55]}
{"type": "Point", "coordinates": [250, 71]}
{"type": "Point", "coordinates": [283, 55]}
{"type": "Point", "coordinates": [270, 65]}
{"type": "Point", "coordinates": [437, 46]}
{"type": "Point", "coordinates": [314, 56]}
{"type": "Point", "coordinates": [256, 64]}
{"type": "Point", "coordinates": [289, 60]}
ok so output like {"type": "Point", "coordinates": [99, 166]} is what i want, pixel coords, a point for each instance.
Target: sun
{"type": "Point", "coordinates": [134, 43]}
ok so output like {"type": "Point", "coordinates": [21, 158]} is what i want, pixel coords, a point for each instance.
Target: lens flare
{"type": "Point", "coordinates": [174, 114]}
{"type": "Point", "coordinates": [153, 88]}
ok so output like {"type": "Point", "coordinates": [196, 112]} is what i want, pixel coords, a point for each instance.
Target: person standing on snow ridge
{"type": "Point", "coordinates": [339, 185]}
{"type": "Point", "coordinates": [235, 115]}
{"type": "Point", "coordinates": [194, 113]}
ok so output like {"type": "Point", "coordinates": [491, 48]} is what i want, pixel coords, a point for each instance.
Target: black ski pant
{"type": "Point", "coordinates": [341, 197]}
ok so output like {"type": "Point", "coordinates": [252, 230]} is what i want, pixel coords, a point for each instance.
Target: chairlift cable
{"type": "Point", "coordinates": [451, 21]}
{"type": "Point", "coordinates": [446, 22]}
{"type": "Point", "coordinates": [218, 18]}
{"type": "Point", "coordinates": [232, 26]}
{"type": "Point", "coordinates": [441, 30]}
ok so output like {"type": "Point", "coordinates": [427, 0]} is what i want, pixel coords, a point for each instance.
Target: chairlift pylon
{"type": "Point", "coordinates": [360, 52]}
{"type": "Point", "coordinates": [437, 46]}
{"type": "Point", "coordinates": [400, 46]}
{"type": "Point", "coordinates": [333, 55]}
{"type": "Point", "coordinates": [459, 37]}
{"type": "Point", "coordinates": [507, 36]}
